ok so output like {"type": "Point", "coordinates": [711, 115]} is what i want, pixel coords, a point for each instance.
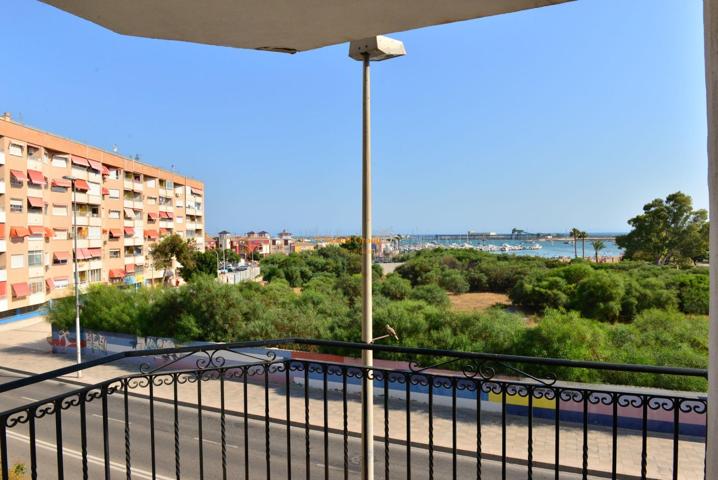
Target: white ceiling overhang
{"type": "Point", "coordinates": [281, 25]}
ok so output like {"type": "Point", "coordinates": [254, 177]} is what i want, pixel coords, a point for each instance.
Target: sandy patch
{"type": "Point", "coordinates": [469, 302]}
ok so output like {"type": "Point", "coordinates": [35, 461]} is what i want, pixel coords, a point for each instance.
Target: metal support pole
{"type": "Point", "coordinates": [78, 340]}
{"type": "Point", "coordinates": [367, 333]}
{"type": "Point", "coordinates": [710, 31]}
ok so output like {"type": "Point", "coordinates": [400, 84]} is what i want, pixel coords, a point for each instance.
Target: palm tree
{"type": "Point", "coordinates": [583, 235]}
{"type": "Point", "coordinates": [598, 245]}
{"type": "Point", "coordinates": [574, 233]}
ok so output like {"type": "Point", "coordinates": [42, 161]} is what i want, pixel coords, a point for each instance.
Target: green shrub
{"type": "Point", "coordinates": [395, 287]}
{"type": "Point", "coordinates": [431, 294]}
{"type": "Point", "coordinates": [599, 296]}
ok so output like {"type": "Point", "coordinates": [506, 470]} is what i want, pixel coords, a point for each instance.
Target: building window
{"type": "Point", "coordinates": [17, 261]}
{"type": "Point", "coordinates": [60, 234]}
{"type": "Point", "coordinates": [61, 282]}
{"type": "Point", "coordinates": [95, 188]}
{"type": "Point", "coordinates": [151, 200]}
{"type": "Point", "coordinates": [94, 233]}
{"type": "Point", "coordinates": [15, 149]}
{"type": "Point", "coordinates": [95, 275]}
{"type": "Point", "coordinates": [114, 193]}
{"type": "Point", "coordinates": [59, 210]}
{"type": "Point", "coordinates": [37, 285]}
{"type": "Point", "coordinates": [34, 258]}
{"type": "Point", "coordinates": [16, 205]}
{"type": "Point", "coordinates": [151, 183]}
{"type": "Point", "coordinates": [115, 253]}
{"type": "Point", "coordinates": [114, 214]}
{"type": "Point", "coordinates": [114, 174]}
{"type": "Point", "coordinates": [179, 219]}
{"type": "Point", "coordinates": [60, 162]}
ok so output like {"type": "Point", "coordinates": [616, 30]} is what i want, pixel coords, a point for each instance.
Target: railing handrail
{"type": "Point", "coordinates": [556, 362]}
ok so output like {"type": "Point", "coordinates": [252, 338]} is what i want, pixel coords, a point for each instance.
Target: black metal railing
{"type": "Point", "coordinates": [247, 411]}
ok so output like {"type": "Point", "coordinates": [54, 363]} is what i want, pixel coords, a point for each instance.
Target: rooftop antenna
{"type": "Point", "coordinates": [114, 148]}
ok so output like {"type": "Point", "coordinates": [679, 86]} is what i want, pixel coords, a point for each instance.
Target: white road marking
{"type": "Point", "coordinates": [212, 442]}
{"type": "Point", "coordinates": [136, 472]}
{"type": "Point", "coordinates": [111, 419]}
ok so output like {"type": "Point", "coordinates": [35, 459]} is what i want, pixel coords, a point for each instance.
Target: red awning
{"type": "Point", "coordinates": [18, 175]}
{"type": "Point", "coordinates": [105, 191]}
{"type": "Point", "coordinates": [170, 215]}
{"type": "Point", "coordinates": [115, 232]}
{"type": "Point", "coordinates": [129, 213]}
{"type": "Point", "coordinates": [80, 161]}
{"type": "Point", "coordinates": [60, 256]}
{"type": "Point", "coordinates": [81, 185]}
{"type": "Point", "coordinates": [35, 202]}
{"type": "Point", "coordinates": [164, 231]}
{"type": "Point", "coordinates": [196, 192]}
{"type": "Point", "coordinates": [3, 289]}
{"type": "Point", "coordinates": [163, 215]}
{"type": "Point", "coordinates": [117, 273]}
{"type": "Point", "coordinates": [61, 182]}
{"type": "Point", "coordinates": [49, 233]}
{"type": "Point", "coordinates": [97, 166]}
{"type": "Point", "coordinates": [50, 284]}
{"type": "Point", "coordinates": [152, 234]}
{"type": "Point", "coordinates": [129, 231]}
{"type": "Point", "coordinates": [2, 231]}
{"type": "Point", "coordinates": [130, 268]}
{"type": "Point", "coordinates": [20, 289]}
{"type": "Point", "coordinates": [19, 232]}
{"type": "Point", "coordinates": [105, 170]}
{"type": "Point", "coordinates": [80, 254]}
{"type": "Point", "coordinates": [95, 252]}
{"type": "Point", "coordinates": [37, 230]}
{"type": "Point", "coordinates": [153, 215]}
{"type": "Point", "coordinates": [36, 178]}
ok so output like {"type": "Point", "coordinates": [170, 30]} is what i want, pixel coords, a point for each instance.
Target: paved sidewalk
{"type": "Point", "coordinates": [27, 349]}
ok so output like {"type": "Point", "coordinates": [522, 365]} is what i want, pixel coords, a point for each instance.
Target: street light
{"type": "Point", "coordinates": [373, 49]}
{"type": "Point", "coordinates": [78, 342]}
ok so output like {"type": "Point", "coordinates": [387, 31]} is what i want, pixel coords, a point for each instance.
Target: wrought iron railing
{"type": "Point", "coordinates": [248, 411]}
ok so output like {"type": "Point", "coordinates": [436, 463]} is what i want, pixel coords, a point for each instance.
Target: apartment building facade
{"type": "Point", "coordinates": [123, 207]}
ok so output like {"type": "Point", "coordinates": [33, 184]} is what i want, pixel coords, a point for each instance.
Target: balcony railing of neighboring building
{"type": "Point", "coordinates": [250, 410]}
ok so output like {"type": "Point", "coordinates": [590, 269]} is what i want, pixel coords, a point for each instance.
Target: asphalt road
{"type": "Point", "coordinates": [210, 461]}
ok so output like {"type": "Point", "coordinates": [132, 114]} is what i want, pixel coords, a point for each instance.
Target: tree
{"type": "Point", "coordinates": [667, 232]}
{"type": "Point", "coordinates": [202, 262]}
{"type": "Point", "coordinates": [583, 235]}
{"type": "Point", "coordinates": [598, 245]}
{"type": "Point", "coordinates": [172, 248]}
{"type": "Point", "coordinates": [575, 233]}
{"type": "Point", "coordinates": [353, 244]}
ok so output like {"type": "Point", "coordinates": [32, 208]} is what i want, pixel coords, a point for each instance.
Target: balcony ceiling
{"type": "Point", "coordinates": [281, 25]}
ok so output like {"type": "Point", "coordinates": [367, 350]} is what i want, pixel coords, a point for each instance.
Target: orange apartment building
{"type": "Point", "coordinates": [123, 208]}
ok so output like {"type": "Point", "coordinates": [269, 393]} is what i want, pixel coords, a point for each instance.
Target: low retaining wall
{"type": "Point", "coordinates": [96, 344]}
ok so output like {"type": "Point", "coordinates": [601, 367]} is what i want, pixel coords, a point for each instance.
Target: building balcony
{"type": "Point", "coordinates": [82, 220]}
{"type": "Point", "coordinates": [138, 204]}
{"type": "Point", "coordinates": [269, 408]}
{"type": "Point", "coordinates": [94, 199]}
{"type": "Point", "coordinates": [95, 221]}
{"type": "Point", "coordinates": [128, 203]}
{"type": "Point", "coordinates": [80, 197]}
{"type": "Point", "coordinates": [93, 176]}
{"type": "Point", "coordinates": [3, 274]}
{"type": "Point", "coordinates": [94, 242]}
{"type": "Point", "coordinates": [2, 187]}
{"type": "Point", "coordinates": [2, 216]}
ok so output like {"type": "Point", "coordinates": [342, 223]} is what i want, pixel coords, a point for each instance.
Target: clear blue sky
{"type": "Point", "coordinates": [572, 115]}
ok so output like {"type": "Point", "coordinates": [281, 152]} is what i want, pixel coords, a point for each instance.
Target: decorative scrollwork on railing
{"type": "Point", "coordinates": [484, 370]}
{"type": "Point", "coordinates": [208, 358]}
{"type": "Point", "coordinates": [690, 405]}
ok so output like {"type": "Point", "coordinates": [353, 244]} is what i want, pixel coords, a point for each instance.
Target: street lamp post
{"type": "Point", "coordinates": [369, 50]}
{"type": "Point", "coordinates": [78, 341]}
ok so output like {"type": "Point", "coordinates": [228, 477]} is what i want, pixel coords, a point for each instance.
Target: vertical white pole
{"type": "Point", "coordinates": [710, 30]}
{"type": "Point", "coordinates": [367, 333]}
{"type": "Point", "coordinates": [78, 340]}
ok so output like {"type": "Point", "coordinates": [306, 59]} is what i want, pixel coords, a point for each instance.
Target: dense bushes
{"type": "Point", "coordinates": [317, 295]}
{"type": "Point", "coordinates": [605, 291]}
